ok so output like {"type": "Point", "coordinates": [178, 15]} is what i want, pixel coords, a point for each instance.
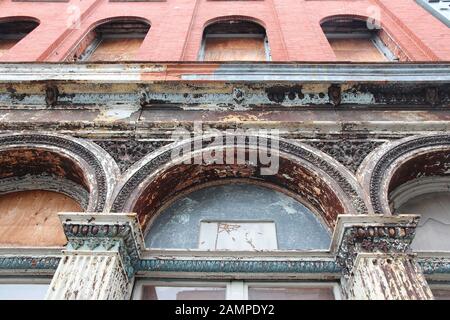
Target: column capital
{"type": "Point", "coordinates": [355, 234]}
{"type": "Point", "coordinates": [100, 232]}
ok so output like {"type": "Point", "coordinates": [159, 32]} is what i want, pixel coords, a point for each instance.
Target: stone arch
{"type": "Point", "coordinates": [53, 162]}
{"type": "Point", "coordinates": [394, 164]}
{"type": "Point", "coordinates": [321, 181]}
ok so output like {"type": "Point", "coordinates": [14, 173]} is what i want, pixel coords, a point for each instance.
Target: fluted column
{"type": "Point", "coordinates": [375, 256]}
{"type": "Point", "coordinates": [100, 258]}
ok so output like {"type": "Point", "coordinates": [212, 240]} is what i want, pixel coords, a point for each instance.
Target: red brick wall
{"type": "Point", "coordinates": [292, 26]}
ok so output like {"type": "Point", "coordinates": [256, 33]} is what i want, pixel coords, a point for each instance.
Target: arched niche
{"type": "Point", "coordinates": [114, 39]}
{"type": "Point", "coordinates": [14, 29]}
{"type": "Point", "coordinates": [43, 174]}
{"type": "Point", "coordinates": [234, 39]}
{"type": "Point", "coordinates": [412, 176]}
{"type": "Point", "coordinates": [324, 184]}
{"type": "Point", "coordinates": [240, 216]}
{"type": "Point", "coordinates": [358, 39]}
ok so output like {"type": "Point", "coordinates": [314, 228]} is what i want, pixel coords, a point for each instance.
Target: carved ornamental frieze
{"type": "Point", "coordinates": [371, 234]}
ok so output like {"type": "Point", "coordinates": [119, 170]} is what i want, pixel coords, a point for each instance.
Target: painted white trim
{"type": "Point", "coordinates": [418, 187]}
{"type": "Point", "coordinates": [235, 290]}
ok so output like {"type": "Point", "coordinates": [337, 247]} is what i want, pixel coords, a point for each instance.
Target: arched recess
{"type": "Point", "coordinates": [412, 176]}
{"type": "Point", "coordinates": [237, 215]}
{"type": "Point", "coordinates": [52, 162]}
{"type": "Point", "coordinates": [322, 182]}
{"type": "Point", "coordinates": [360, 39]}
{"type": "Point", "coordinates": [234, 38]}
{"type": "Point", "coordinates": [14, 29]}
{"type": "Point", "coordinates": [111, 39]}
{"type": "Point", "coordinates": [401, 162]}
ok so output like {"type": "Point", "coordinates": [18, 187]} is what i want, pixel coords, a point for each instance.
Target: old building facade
{"type": "Point", "coordinates": [224, 149]}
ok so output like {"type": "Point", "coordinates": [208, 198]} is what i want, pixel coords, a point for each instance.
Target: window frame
{"type": "Point", "coordinates": [26, 280]}
{"type": "Point", "coordinates": [235, 289]}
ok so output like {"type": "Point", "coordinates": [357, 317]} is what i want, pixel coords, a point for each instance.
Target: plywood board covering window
{"type": "Point", "coordinates": [358, 50]}
{"type": "Point", "coordinates": [234, 40]}
{"type": "Point", "coordinates": [29, 218]}
{"type": "Point", "coordinates": [235, 49]}
{"type": "Point", "coordinates": [117, 40]}
{"type": "Point", "coordinates": [356, 40]}
{"type": "Point", "coordinates": [116, 50]}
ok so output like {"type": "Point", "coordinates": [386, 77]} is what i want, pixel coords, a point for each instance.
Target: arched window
{"type": "Point", "coordinates": [356, 40]}
{"type": "Point", "coordinates": [117, 40]}
{"type": "Point", "coordinates": [234, 40]}
{"type": "Point", "coordinates": [11, 32]}
{"type": "Point", "coordinates": [239, 217]}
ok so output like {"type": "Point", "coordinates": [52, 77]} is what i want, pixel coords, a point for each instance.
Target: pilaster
{"type": "Point", "coordinates": [375, 256]}
{"type": "Point", "coordinates": [100, 259]}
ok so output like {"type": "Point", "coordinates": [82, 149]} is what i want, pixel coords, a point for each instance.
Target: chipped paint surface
{"type": "Point", "coordinates": [387, 277]}
{"type": "Point", "coordinates": [341, 126]}
{"type": "Point", "coordinates": [179, 225]}
{"type": "Point", "coordinates": [87, 276]}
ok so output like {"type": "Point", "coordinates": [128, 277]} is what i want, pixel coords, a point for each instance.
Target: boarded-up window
{"type": "Point", "coordinates": [29, 218]}
{"type": "Point", "coordinates": [112, 41]}
{"type": "Point", "coordinates": [235, 41]}
{"type": "Point", "coordinates": [356, 40]}
{"type": "Point", "coordinates": [12, 32]}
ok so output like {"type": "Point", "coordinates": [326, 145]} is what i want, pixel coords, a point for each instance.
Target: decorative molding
{"type": "Point", "coordinates": [390, 156]}
{"type": "Point", "coordinates": [435, 265]}
{"type": "Point", "coordinates": [238, 266]}
{"type": "Point", "coordinates": [350, 189]}
{"type": "Point", "coordinates": [18, 262]}
{"type": "Point", "coordinates": [69, 144]}
{"type": "Point", "coordinates": [350, 153]}
{"type": "Point", "coordinates": [297, 150]}
{"type": "Point", "coordinates": [105, 232]}
{"type": "Point", "coordinates": [371, 234]}
{"type": "Point", "coordinates": [128, 152]}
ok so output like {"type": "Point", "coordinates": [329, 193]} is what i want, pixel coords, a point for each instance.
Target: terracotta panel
{"type": "Point", "coordinates": [29, 218]}
{"type": "Point", "coordinates": [235, 49]}
{"type": "Point", "coordinates": [116, 50]}
{"type": "Point", "coordinates": [362, 50]}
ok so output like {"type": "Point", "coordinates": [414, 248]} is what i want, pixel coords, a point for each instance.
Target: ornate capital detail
{"type": "Point", "coordinates": [105, 232]}
{"type": "Point", "coordinates": [362, 234]}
